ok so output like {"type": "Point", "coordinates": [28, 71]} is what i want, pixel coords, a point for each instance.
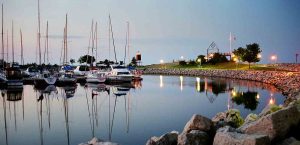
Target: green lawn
{"type": "Point", "coordinates": [224, 66]}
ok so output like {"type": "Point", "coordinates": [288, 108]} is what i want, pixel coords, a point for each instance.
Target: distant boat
{"type": "Point", "coordinates": [119, 74]}
{"type": "Point", "coordinates": [96, 77]}
{"type": "Point", "coordinates": [30, 72]}
{"type": "Point", "coordinates": [14, 76]}
{"type": "Point", "coordinates": [44, 79]}
{"type": "Point", "coordinates": [66, 79]}
{"type": "Point", "coordinates": [81, 70]}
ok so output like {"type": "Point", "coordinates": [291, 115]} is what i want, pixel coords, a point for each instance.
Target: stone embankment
{"type": "Point", "coordinates": [280, 127]}
{"type": "Point", "coordinates": [286, 81]}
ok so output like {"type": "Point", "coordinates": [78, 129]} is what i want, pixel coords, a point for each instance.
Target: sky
{"type": "Point", "coordinates": [159, 29]}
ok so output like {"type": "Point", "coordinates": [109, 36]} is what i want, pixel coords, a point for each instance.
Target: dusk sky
{"type": "Point", "coordinates": [159, 29]}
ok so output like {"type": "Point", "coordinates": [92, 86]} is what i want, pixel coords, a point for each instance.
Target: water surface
{"type": "Point", "coordinates": [127, 114]}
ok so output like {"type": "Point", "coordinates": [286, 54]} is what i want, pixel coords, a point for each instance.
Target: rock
{"type": "Point", "coordinates": [234, 118]}
{"type": "Point", "coordinates": [96, 141]}
{"type": "Point", "coordinates": [221, 116]}
{"type": "Point", "coordinates": [250, 118]}
{"type": "Point", "coordinates": [228, 136]}
{"type": "Point", "coordinates": [276, 125]}
{"type": "Point", "coordinates": [194, 137]}
{"type": "Point", "coordinates": [198, 122]}
{"type": "Point", "coordinates": [166, 139]}
{"type": "Point", "coordinates": [289, 141]}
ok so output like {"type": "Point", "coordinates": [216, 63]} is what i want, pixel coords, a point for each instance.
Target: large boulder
{"type": "Point", "coordinates": [166, 139]}
{"type": "Point", "coordinates": [229, 136]}
{"type": "Point", "coordinates": [96, 141]}
{"type": "Point", "coordinates": [251, 118]}
{"type": "Point", "coordinates": [198, 122]}
{"type": "Point", "coordinates": [289, 141]}
{"type": "Point", "coordinates": [276, 125]}
{"type": "Point", "coordinates": [194, 137]}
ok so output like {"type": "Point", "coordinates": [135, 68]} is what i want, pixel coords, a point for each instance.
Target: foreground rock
{"type": "Point", "coordinates": [231, 117]}
{"type": "Point", "coordinates": [96, 141]}
{"type": "Point", "coordinates": [198, 122]}
{"type": "Point", "coordinates": [166, 139]}
{"type": "Point", "coordinates": [194, 137]}
{"type": "Point", "coordinates": [275, 125]}
{"type": "Point", "coordinates": [289, 141]}
{"type": "Point", "coordinates": [229, 136]}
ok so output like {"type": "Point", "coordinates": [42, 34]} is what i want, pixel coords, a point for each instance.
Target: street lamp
{"type": "Point", "coordinates": [274, 59]}
{"type": "Point", "coordinates": [259, 55]}
{"type": "Point", "coordinates": [199, 61]}
{"type": "Point", "coordinates": [161, 62]}
{"type": "Point", "coordinates": [236, 62]}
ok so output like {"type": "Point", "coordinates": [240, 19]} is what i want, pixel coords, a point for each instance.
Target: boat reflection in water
{"type": "Point", "coordinates": [14, 96]}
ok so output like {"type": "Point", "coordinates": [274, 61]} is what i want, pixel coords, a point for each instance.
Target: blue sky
{"type": "Point", "coordinates": [159, 29]}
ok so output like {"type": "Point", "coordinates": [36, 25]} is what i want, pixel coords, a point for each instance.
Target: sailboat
{"type": "Point", "coordinates": [13, 73]}
{"type": "Point", "coordinates": [95, 76]}
{"type": "Point", "coordinates": [67, 76]}
{"type": "Point", "coordinates": [45, 77]}
{"type": "Point", "coordinates": [118, 73]}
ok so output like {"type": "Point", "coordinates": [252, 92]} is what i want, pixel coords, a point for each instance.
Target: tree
{"type": "Point", "coordinates": [217, 58]}
{"type": "Point", "coordinates": [72, 60]}
{"type": "Point", "coordinates": [86, 58]}
{"type": "Point", "coordinates": [248, 54]}
{"type": "Point", "coordinates": [133, 61]}
{"type": "Point", "coordinates": [201, 58]}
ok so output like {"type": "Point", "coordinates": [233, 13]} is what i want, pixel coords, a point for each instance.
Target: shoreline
{"type": "Point", "coordinates": [288, 83]}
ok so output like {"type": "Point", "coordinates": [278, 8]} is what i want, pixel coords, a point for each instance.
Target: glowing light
{"type": "Point", "coordinates": [272, 101]}
{"type": "Point", "coordinates": [198, 84]}
{"type": "Point", "coordinates": [233, 93]}
{"type": "Point", "coordinates": [211, 55]}
{"type": "Point", "coordinates": [181, 82]}
{"type": "Point", "coordinates": [181, 57]}
{"type": "Point", "coordinates": [161, 61]}
{"type": "Point", "coordinates": [259, 55]}
{"type": "Point", "coordinates": [273, 57]}
{"type": "Point", "coordinates": [257, 96]}
{"type": "Point", "coordinates": [199, 60]}
{"type": "Point", "coordinates": [235, 59]}
{"type": "Point", "coordinates": [161, 84]}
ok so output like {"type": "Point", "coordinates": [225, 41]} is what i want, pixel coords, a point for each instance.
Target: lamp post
{"type": "Point", "coordinates": [274, 60]}
{"type": "Point", "coordinates": [161, 63]}
{"type": "Point", "coordinates": [199, 61]}
{"type": "Point", "coordinates": [236, 62]}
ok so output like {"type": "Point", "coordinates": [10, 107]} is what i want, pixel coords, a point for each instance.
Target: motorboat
{"type": "Point", "coordinates": [96, 77]}
{"type": "Point", "coordinates": [14, 76]}
{"type": "Point", "coordinates": [44, 79]}
{"type": "Point", "coordinates": [66, 79]}
{"type": "Point", "coordinates": [81, 70]}
{"type": "Point", "coordinates": [119, 74]}
{"type": "Point", "coordinates": [30, 72]}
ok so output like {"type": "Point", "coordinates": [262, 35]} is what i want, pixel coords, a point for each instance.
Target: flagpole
{"type": "Point", "coordinates": [230, 42]}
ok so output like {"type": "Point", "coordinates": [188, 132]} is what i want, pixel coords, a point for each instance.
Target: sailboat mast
{"type": "Point", "coordinates": [112, 35]}
{"type": "Point", "coordinates": [39, 33]}
{"type": "Point", "coordinates": [22, 57]}
{"type": "Point", "coordinates": [7, 46]}
{"type": "Point", "coordinates": [12, 41]}
{"type": "Point", "coordinates": [109, 39]}
{"type": "Point", "coordinates": [128, 42]}
{"type": "Point", "coordinates": [66, 39]}
{"type": "Point", "coordinates": [96, 39]}
{"type": "Point", "coordinates": [2, 39]}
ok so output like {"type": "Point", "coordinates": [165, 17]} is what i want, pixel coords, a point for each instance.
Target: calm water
{"type": "Point", "coordinates": [156, 105]}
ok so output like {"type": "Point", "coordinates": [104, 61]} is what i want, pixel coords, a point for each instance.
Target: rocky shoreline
{"type": "Point", "coordinates": [278, 125]}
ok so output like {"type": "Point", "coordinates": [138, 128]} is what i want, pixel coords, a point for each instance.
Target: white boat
{"type": "Point", "coordinates": [44, 79]}
{"type": "Point", "coordinates": [31, 72]}
{"type": "Point", "coordinates": [66, 79]}
{"type": "Point", "coordinates": [96, 77]}
{"type": "Point", "coordinates": [81, 70]}
{"type": "Point", "coordinates": [119, 74]}
{"type": "Point", "coordinates": [2, 77]}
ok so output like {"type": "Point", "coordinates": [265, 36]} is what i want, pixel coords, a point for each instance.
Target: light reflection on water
{"type": "Point", "coordinates": [126, 114]}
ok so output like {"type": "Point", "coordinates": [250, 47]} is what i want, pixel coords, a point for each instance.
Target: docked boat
{"type": "Point", "coordinates": [44, 79]}
{"type": "Point", "coordinates": [14, 76]}
{"type": "Point", "coordinates": [81, 70]}
{"type": "Point", "coordinates": [66, 79]}
{"type": "Point", "coordinates": [119, 74]}
{"type": "Point", "coordinates": [96, 77]}
{"type": "Point", "coordinates": [30, 72]}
